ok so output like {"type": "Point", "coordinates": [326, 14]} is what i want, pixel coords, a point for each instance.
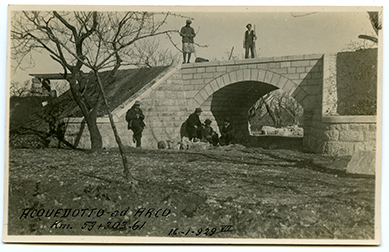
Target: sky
{"type": "Point", "coordinates": [280, 32]}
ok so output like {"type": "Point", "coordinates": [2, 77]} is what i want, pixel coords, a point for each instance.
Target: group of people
{"type": "Point", "coordinates": [196, 130]}
{"type": "Point", "coordinates": [187, 33]}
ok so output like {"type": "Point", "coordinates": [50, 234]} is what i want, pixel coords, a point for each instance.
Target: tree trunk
{"type": "Point", "coordinates": [89, 113]}
{"type": "Point", "coordinates": [94, 132]}
{"type": "Point", "coordinates": [126, 171]}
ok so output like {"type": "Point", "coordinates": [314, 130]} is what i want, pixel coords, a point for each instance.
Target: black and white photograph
{"type": "Point", "coordinates": [193, 125]}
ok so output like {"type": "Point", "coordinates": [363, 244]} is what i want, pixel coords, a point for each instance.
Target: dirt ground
{"type": "Point", "coordinates": [223, 192]}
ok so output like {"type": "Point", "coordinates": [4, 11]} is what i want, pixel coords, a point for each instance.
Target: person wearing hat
{"type": "Point", "coordinates": [209, 134]}
{"type": "Point", "coordinates": [227, 132]}
{"type": "Point", "coordinates": [249, 42]}
{"type": "Point", "coordinates": [193, 125]}
{"type": "Point", "coordinates": [135, 117]}
{"type": "Point", "coordinates": [187, 33]}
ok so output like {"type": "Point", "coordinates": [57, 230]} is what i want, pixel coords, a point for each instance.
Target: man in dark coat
{"type": "Point", "coordinates": [135, 117]}
{"type": "Point", "coordinates": [249, 42]}
{"type": "Point", "coordinates": [227, 132]}
{"type": "Point", "coordinates": [209, 134]}
{"type": "Point", "coordinates": [193, 125]}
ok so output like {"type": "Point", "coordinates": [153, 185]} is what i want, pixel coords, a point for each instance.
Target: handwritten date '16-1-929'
{"type": "Point", "coordinates": [206, 231]}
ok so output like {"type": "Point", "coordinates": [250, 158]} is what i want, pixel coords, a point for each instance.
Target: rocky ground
{"type": "Point", "coordinates": [229, 191]}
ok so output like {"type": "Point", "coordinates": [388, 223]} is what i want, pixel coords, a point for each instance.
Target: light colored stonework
{"type": "Point", "coordinates": [219, 88]}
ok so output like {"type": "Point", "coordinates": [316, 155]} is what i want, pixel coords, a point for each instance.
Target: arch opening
{"type": "Point", "coordinates": [235, 101]}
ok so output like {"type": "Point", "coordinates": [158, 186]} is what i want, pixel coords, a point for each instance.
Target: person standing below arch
{"type": "Point", "coordinates": [187, 33]}
{"type": "Point", "coordinates": [249, 42]}
{"type": "Point", "coordinates": [193, 125]}
{"type": "Point", "coordinates": [135, 117]}
{"type": "Point", "coordinates": [227, 132]}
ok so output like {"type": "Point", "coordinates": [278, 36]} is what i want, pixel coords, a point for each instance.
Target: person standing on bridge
{"type": "Point", "coordinates": [249, 42]}
{"type": "Point", "coordinates": [135, 117]}
{"type": "Point", "coordinates": [187, 33]}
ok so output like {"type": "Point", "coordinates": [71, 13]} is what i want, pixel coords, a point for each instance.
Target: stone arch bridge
{"type": "Point", "coordinates": [230, 88]}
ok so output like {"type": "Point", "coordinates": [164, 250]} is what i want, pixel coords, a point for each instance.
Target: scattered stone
{"type": "Point", "coordinates": [362, 162]}
{"type": "Point", "coordinates": [168, 144]}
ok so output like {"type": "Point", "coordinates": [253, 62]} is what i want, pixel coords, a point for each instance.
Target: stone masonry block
{"type": "Point", "coordinates": [232, 68]}
{"type": "Point", "coordinates": [254, 74]}
{"type": "Point", "coordinates": [359, 127]}
{"type": "Point", "coordinates": [370, 146]}
{"type": "Point", "coordinates": [370, 136]}
{"type": "Point", "coordinates": [289, 86]}
{"type": "Point", "coordinates": [359, 147]}
{"type": "Point", "coordinates": [220, 82]}
{"type": "Point", "coordinates": [239, 75]}
{"type": "Point", "coordinates": [263, 65]}
{"type": "Point", "coordinates": [214, 85]}
{"type": "Point", "coordinates": [247, 74]}
{"type": "Point", "coordinates": [221, 68]}
{"type": "Point", "coordinates": [241, 67]}
{"type": "Point", "coordinates": [283, 70]}
{"type": "Point", "coordinates": [197, 99]}
{"type": "Point", "coordinates": [333, 148]}
{"type": "Point", "coordinates": [208, 75]}
{"type": "Point", "coordinates": [191, 93]}
{"type": "Point", "coordinates": [160, 94]}
{"type": "Point", "coordinates": [372, 127]}
{"type": "Point", "coordinates": [261, 75]}
{"type": "Point", "coordinates": [281, 82]}
{"type": "Point", "coordinates": [197, 76]}
{"type": "Point", "coordinates": [200, 70]}
{"type": "Point", "coordinates": [286, 64]}
{"type": "Point", "coordinates": [187, 76]}
{"type": "Point", "coordinates": [331, 135]}
{"type": "Point", "coordinates": [226, 79]}
{"type": "Point", "coordinates": [295, 76]}
{"type": "Point", "coordinates": [233, 77]}
{"type": "Point", "coordinates": [351, 136]}
{"type": "Point", "coordinates": [275, 79]}
{"type": "Point", "coordinates": [209, 90]}
{"type": "Point", "coordinates": [268, 77]}
{"type": "Point", "coordinates": [302, 63]}
{"type": "Point", "coordinates": [274, 65]}
{"type": "Point", "coordinates": [291, 70]}
{"type": "Point", "coordinates": [300, 69]}
{"type": "Point", "coordinates": [197, 81]}
{"type": "Point", "coordinates": [188, 71]}
{"type": "Point", "coordinates": [210, 69]}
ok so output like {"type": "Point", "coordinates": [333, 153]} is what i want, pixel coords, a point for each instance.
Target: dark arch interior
{"type": "Point", "coordinates": [235, 100]}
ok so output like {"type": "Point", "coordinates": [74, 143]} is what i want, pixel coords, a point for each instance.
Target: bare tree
{"type": "Point", "coordinates": [279, 106]}
{"type": "Point", "coordinates": [78, 40]}
{"type": "Point", "coordinates": [20, 88]}
{"type": "Point", "coordinates": [149, 53]}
